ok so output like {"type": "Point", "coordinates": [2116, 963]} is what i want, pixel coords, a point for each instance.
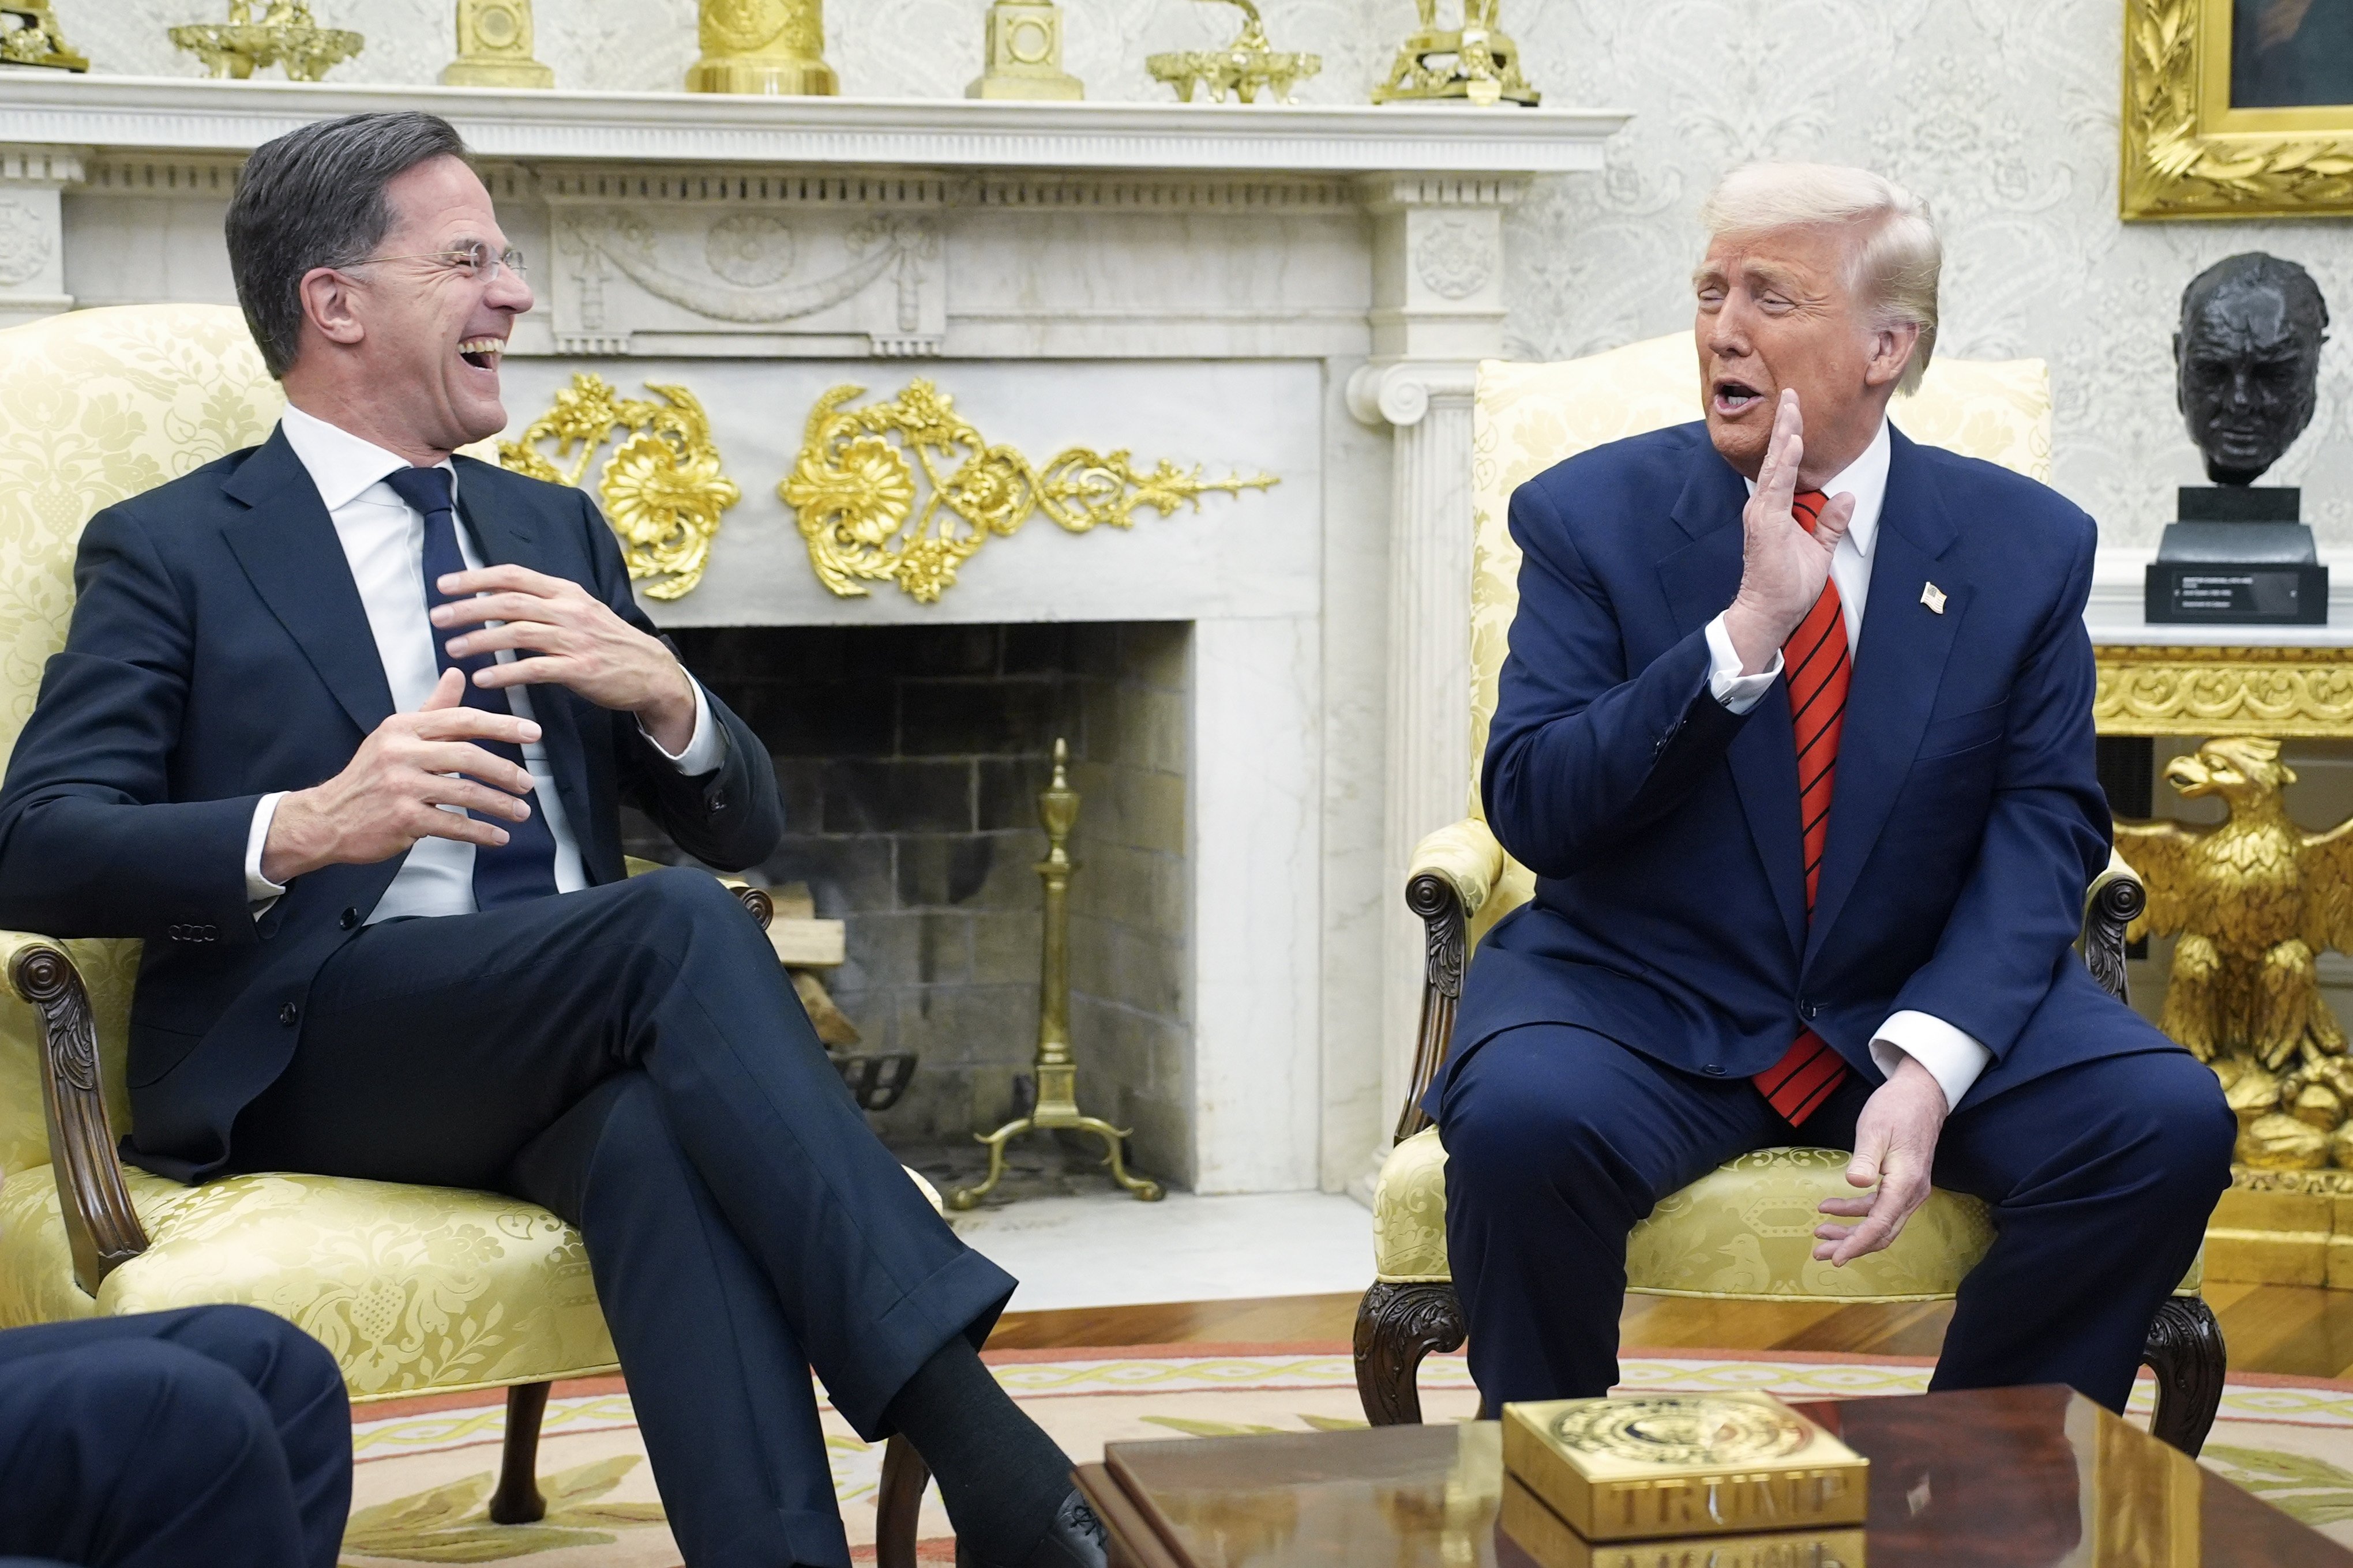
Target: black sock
{"type": "Point", "coordinates": [1001, 1476]}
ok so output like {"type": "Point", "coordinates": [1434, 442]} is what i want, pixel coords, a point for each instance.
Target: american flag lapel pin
{"type": "Point", "coordinates": [1932, 596]}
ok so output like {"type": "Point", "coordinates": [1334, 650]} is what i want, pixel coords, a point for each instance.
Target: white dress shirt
{"type": "Point", "coordinates": [384, 540]}
{"type": "Point", "coordinates": [1953, 1056]}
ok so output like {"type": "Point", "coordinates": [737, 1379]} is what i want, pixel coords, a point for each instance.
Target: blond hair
{"type": "Point", "coordinates": [1894, 263]}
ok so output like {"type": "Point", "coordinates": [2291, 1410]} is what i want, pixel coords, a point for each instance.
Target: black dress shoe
{"type": "Point", "coordinates": [1075, 1540]}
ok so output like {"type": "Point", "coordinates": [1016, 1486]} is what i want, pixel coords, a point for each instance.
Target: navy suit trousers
{"type": "Point", "coordinates": [633, 1057]}
{"type": "Point", "coordinates": [212, 1434]}
{"type": "Point", "coordinates": [1559, 1141]}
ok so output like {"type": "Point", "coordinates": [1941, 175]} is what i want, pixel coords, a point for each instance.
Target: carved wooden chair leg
{"type": "Point", "coordinates": [2185, 1350]}
{"type": "Point", "coordinates": [1396, 1327]}
{"type": "Point", "coordinates": [897, 1502]}
{"type": "Point", "coordinates": [517, 1500]}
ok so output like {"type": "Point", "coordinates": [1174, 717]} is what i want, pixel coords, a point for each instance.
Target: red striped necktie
{"type": "Point", "coordinates": [1814, 661]}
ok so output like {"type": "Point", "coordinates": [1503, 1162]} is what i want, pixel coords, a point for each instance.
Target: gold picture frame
{"type": "Point", "coordinates": [2189, 153]}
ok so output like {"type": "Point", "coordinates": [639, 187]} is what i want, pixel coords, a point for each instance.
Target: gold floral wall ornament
{"type": "Point", "coordinates": [2189, 151]}
{"type": "Point", "coordinates": [29, 35]}
{"type": "Point", "coordinates": [284, 34]}
{"type": "Point", "coordinates": [858, 490]}
{"type": "Point", "coordinates": [1243, 68]}
{"type": "Point", "coordinates": [662, 490]}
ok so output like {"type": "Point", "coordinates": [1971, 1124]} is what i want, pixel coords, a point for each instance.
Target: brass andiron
{"type": "Point", "coordinates": [1476, 62]}
{"type": "Point", "coordinates": [774, 47]}
{"type": "Point", "coordinates": [29, 35]}
{"type": "Point", "coordinates": [1244, 67]}
{"type": "Point", "coordinates": [287, 35]}
{"type": "Point", "coordinates": [494, 45]}
{"type": "Point", "coordinates": [1058, 1072]}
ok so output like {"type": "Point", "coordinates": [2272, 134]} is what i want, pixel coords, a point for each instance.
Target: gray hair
{"type": "Point", "coordinates": [314, 197]}
{"type": "Point", "coordinates": [1898, 258]}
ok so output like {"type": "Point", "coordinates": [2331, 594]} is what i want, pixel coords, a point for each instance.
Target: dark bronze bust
{"type": "Point", "coordinates": [2247, 362]}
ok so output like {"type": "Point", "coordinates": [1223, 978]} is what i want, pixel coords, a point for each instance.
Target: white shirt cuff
{"type": "Point", "coordinates": [705, 750]}
{"type": "Point", "coordinates": [1736, 691]}
{"type": "Point", "coordinates": [1953, 1057]}
{"type": "Point", "coordinates": [259, 890]}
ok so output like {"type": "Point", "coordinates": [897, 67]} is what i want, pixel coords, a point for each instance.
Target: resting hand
{"type": "Point", "coordinates": [1894, 1146]}
{"type": "Point", "coordinates": [582, 643]}
{"type": "Point", "coordinates": [391, 793]}
{"type": "Point", "coordinates": [1783, 564]}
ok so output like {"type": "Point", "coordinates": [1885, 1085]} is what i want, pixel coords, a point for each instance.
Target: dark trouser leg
{"type": "Point", "coordinates": [436, 1050]}
{"type": "Point", "coordinates": [212, 1434]}
{"type": "Point", "coordinates": [720, 1385]}
{"type": "Point", "coordinates": [1558, 1141]}
{"type": "Point", "coordinates": [2100, 1177]}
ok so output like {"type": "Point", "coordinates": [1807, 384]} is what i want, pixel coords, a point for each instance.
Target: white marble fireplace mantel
{"type": "Point", "coordinates": [1302, 289]}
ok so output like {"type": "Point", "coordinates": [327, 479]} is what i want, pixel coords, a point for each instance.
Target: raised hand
{"type": "Point", "coordinates": [1783, 564]}
{"type": "Point", "coordinates": [1895, 1149]}
{"type": "Point", "coordinates": [582, 643]}
{"type": "Point", "coordinates": [391, 793]}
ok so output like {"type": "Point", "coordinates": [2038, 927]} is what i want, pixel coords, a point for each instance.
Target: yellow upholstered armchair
{"type": "Point", "coordinates": [414, 1290]}
{"type": "Point", "coordinates": [1744, 1231]}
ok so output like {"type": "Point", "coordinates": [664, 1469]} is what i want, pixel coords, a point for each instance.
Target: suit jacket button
{"type": "Point", "coordinates": [290, 1014]}
{"type": "Point", "coordinates": [1810, 1009]}
{"type": "Point", "coordinates": [719, 800]}
{"type": "Point", "coordinates": [177, 933]}
{"type": "Point", "coordinates": [348, 919]}
{"type": "Point", "coordinates": [1713, 1070]}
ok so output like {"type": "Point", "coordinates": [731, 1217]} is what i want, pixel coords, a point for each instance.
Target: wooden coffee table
{"type": "Point", "coordinates": [2030, 1477]}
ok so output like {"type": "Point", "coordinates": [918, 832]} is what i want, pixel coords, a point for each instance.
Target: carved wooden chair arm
{"type": "Point", "coordinates": [102, 1228]}
{"type": "Point", "coordinates": [755, 899]}
{"type": "Point", "coordinates": [1454, 870]}
{"type": "Point", "coordinates": [2112, 902]}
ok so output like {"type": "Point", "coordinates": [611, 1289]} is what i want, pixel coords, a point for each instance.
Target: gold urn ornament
{"type": "Point", "coordinates": [1474, 63]}
{"type": "Point", "coordinates": [2253, 902]}
{"type": "Point", "coordinates": [774, 48]}
{"type": "Point", "coordinates": [494, 45]}
{"type": "Point", "coordinates": [284, 33]}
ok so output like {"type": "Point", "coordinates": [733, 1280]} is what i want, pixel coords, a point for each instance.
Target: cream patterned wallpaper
{"type": "Point", "coordinates": [2003, 112]}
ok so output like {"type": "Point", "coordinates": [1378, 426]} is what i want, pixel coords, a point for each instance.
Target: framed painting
{"type": "Point", "coordinates": [2237, 109]}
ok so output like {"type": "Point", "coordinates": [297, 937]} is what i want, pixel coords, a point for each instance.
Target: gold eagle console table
{"type": "Point", "coordinates": [2273, 1227]}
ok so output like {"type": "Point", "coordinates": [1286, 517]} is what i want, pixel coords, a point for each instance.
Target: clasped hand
{"type": "Point", "coordinates": [391, 793]}
{"type": "Point", "coordinates": [1895, 1149]}
{"type": "Point", "coordinates": [1783, 564]}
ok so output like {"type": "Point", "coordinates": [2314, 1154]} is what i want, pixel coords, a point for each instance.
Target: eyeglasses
{"type": "Point", "coordinates": [476, 261]}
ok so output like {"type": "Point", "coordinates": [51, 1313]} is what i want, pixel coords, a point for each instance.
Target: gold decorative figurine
{"type": "Point", "coordinates": [494, 47]}
{"type": "Point", "coordinates": [287, 35]}
{"type": "Point", "coordinates": [1245, 67]}
{"type": "Point", "coordinates": [856, 494]}
{"type": "Point", "coordinates": [2255, 902]}
{"type": "Point", "coordinates": [1024, 54]}
{"type": "Point", "coordinates": [1058, 1072]}
{"type": "Point", "coordinates": [774, 47]}
{"type": "Point", "coordinates": [1476, 62]}
{"type": "Point", "coordinates": [662, 489]}
{"type": "Point", "coordinates": [29, 35]}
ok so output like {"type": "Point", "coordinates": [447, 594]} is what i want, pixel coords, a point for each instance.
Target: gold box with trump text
{"type": "Point", "coordinates": [1651, 1465]}
{"type": "Point", "coordinates": [1546, 1538]}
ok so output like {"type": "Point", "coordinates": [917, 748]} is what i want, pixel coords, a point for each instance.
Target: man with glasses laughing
{"type": "Point", "coordinates": [343, 729]}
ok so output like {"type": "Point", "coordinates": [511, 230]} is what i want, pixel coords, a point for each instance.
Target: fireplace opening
{"type": "Point", "coordinates": [911, 758]}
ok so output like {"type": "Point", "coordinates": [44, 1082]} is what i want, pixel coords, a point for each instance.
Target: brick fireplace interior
{"type": "Point", "coordinates": [911, 758]}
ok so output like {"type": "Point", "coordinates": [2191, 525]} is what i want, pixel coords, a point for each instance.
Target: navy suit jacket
{"type": "Point", "coordinates": [1966, 820]}
{"type": "Point", "coordinates": [220, 652]}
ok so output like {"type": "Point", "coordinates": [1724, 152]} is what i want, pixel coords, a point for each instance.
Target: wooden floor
{"type": "Point", "coordinates": [2269, 1328]}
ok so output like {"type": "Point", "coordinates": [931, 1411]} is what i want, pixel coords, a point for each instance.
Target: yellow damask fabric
{"type": "Point", "coordinates": [414, 1290]}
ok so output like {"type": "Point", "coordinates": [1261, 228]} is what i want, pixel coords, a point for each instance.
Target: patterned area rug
{"type": "Point", "coordinates": [425, 1466]}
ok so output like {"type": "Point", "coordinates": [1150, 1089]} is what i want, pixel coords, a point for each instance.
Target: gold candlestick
{"type": "Point", "coordinates": [1058, 1071]}
{"type": "Point", "coordinates": [774, 47]}
{"type": "Point", "coordinates": [494, 46]}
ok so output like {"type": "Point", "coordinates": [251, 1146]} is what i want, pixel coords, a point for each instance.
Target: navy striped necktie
{"type": "Point", "coordinates": [524, 867]}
